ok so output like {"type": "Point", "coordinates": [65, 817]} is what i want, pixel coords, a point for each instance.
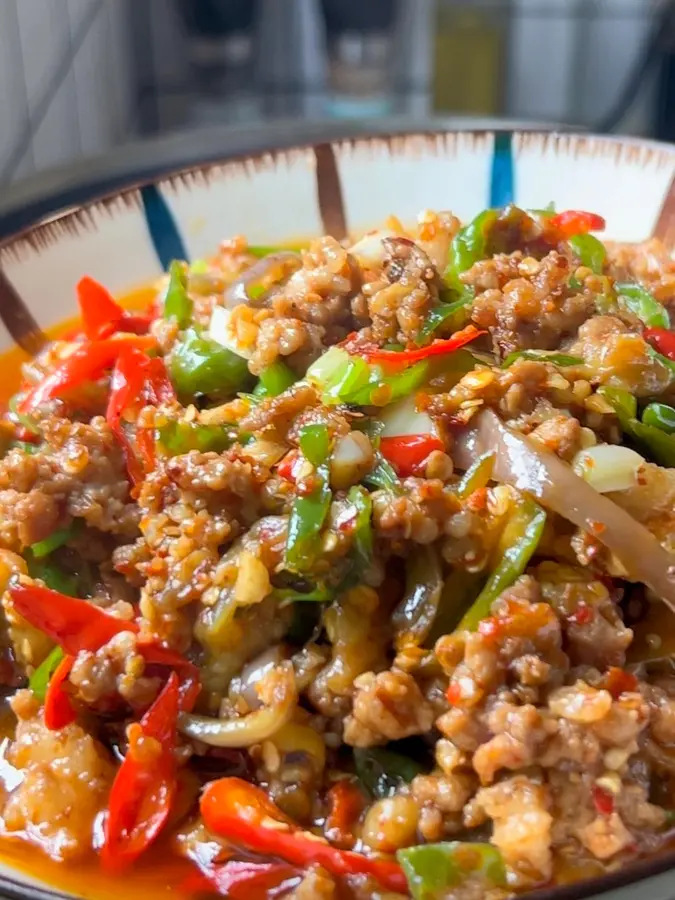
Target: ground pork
{"type": "Point", "coordinates": [650, 263]}
{"type": "Point", "coordinates": [116, 670]}
{"type": "Point", "coordinates": [78, 472]}
{"type": "Point", "coordinates": [400, 302]}
{"type": "Point", "coordinates": [316, 884]}
{"type": "Point", "coordinates": [386, 707]}
{"type": "Point", "coordinates": [531, 305]}
{"type": "Point", "coordinates": [420, 513]}
{"type": "Point", "coordinates": [276, 414]}
{"type": "Point", "coordinates": [66, 779]}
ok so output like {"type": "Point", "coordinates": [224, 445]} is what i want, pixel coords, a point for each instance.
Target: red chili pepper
{"type": "Point", "coordinates": [575, 221]}
{"type": "Point", "coordinates": [602, 800]}
{"type": "Point", "coordinates": [240, 880]}
{"type": "Point", "coordinates": [404, 358]}
{"type": "Point", "coordinates": [347, 802]}
{"type": "Point", "coordinates": [145, 784]}
{"type": "Point", "coordinates": [407, 452]}
{"type": "Point", "coordinates": [243, 813]}
{"type": "Point", "coordinates": [618, 681]}
{"type": "Point", "coordinates": [87, 363]}
{"type": "Point", "coordinates": [73, 624]}
{"type": "Point", "coordinates": [102, 316]}
{"type": "Point", "coordinates": [582, 615]}
{"type": "Point", "coordinates": [59, 710]}
{"type": "Point", "coordinates": [77, 625]}
{"type": "Point", "coordinates": [138, 380]}
{"type": "Point", "coordinates": [289, 466]}
{"type": "Point", "coordinates": [662, 340]}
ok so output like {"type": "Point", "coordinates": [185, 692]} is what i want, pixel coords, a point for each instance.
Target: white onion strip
{"type": "Point", "coordinates": [546, 477]}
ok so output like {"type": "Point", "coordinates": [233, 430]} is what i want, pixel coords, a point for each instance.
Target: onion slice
{"type": "Point", "coordinates": [250, 729]}
{"type": "Point", "coordinates": [270, 271]}
{"type": "Point", "coordinates": [519, 463]}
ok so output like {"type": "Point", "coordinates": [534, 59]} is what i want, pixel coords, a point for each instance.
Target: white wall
{"type": "Point", "coordinates": [66, 82]}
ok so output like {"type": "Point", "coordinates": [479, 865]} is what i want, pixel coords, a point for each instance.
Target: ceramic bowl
{"type": "Point", "coordinates": [343, 187]}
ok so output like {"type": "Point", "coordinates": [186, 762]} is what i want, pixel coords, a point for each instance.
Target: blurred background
{"type": "Point", "coordinates": [79, 78]}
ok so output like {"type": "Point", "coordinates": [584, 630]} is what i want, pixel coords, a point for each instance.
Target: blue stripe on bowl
{"type": "Point", "coordinates": [502, 187]}
{"type": "Point", "coordinates": [163, 230]}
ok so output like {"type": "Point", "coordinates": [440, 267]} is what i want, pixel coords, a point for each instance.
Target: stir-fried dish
{"type": "Point", "coordinates": [347, 571]}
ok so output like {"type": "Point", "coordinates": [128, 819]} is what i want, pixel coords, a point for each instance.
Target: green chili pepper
{"type": "Point", "coordinates": [590, 251]}
{"type": "Point", "coordinates": [260, 250]}
{"type": "Point", "coordinates": [546, 213]}
{"type": "Point", "coordinates": [459, 589]}
{"type": "Point", "coordinates": [361, 500]}
{"type": "Point", "coordinates": [315, 443]}
{"type": "Point", "coordinates": [373, 428]}
{"type": "Point", "coordinates": [655, 442]}
{"type": "Point", "coordinates": [468, 247]}
{"type": "Point", "coordinates": [202, 367]}
{"type": "Point", "coordinates": [343, 378]}
{"type": "Point", "coordinates": [27, 421]}
{"type": "Point", "coordinates": [550, 356]}
{"type": "Point", "coordinates": [177, 304]}
{"type": "Point", "coordinates": [660, 415]}
{"type": "Point", "coordinates": [383, 476]}
{"type": "Point", "coordinates": [438, 316]}
{"type": "Point", "coordinates": [24, 447]}
{"type": "Point", "coordinates": [53, 576]}
{"type": "Point", "coordinates": [176, 438]}
{"type": "Point", "coordinates": [382, 771]}
{"type": "Point", "coordinates": [520, 540]}
{"type": "Point", "coordinates": [318, 594]}
{"type": "Point", "coordinates": [274, 380]}
{"type": "Point", "coordinates": [308, 514]}
{"type": "Point", "coordinates": [432, 869]}
{"type": "Point", "coordinates": [56, 539]}
{"type": "Point", "coordinates": [477, 476]}
{"type": "Point", "coordinates": [668, 363]}
{"type": "Point", "coordinates": [39, 680]}
{"type": "Point", "coordinates": [198, 267]}
{"type": "Point", "coordinates": [643, 305]}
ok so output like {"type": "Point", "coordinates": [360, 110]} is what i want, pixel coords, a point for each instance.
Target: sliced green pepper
{"type": "Point", "coordinates": [363, 529]}
{"type": "Point", "coordinates": [53, 576]}
{"type": "Point", "coordinates": [260, 250]}
{"type": "Point", "coordinates": [343, 378]}
{"type": "Point", "coordinates": [274, 380]}
{"type": "Point", "coordinates": [432, 869]}
{"type": "Point", "coordinates": [382, 476]}
{"type": "Point", "coordinates": [27, 421]}
{"type": "Point", "coordinates": [460, 589]}
{"type": "Point", "coordinates": [39, 680]}
{"type": "Point", "coordinates": [468, 247]}
{"type": "Point", "coordinates": [56, 539]}
{"type": "Point", "coordinates": [590, 251]}
{"type": "Point", "coordinates": [476, 477]}
{"type": "Point", "coordinates": [177, 304]}
{"type": "Point", "coordinates": [201, 367]}
{"type": "Point", "coordinates": [550, 356]}
{"type": "Point", "coordinates": [643, 305]}
{"type": "Point", "coordinates": [438, 316]}
{"type": "Point", "coordinates": [176, 438]}
{"type": "Point", "coordinates": [24, 447]}
{"type": "Point", "coordinates": [308, 514]}
{"type": "Point", "coordinates": [655, 442]}
{"type": "Point", "coordinates": [382, 771]}
{"type": "Point", "coordinates": [660, 415]}
{"type": "Point", "coordinates": [520, 540]}
{"type": "Point", "coordinates": [315, 443]}
{"type": "Point", "coordinates": [318, 594]}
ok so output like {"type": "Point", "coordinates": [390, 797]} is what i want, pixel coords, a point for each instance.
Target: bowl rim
{"type": "Point", "coordinates": [156, 161]}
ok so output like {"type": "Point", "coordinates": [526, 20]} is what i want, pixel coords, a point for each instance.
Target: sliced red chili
{"type": "Point", "coordinates": [662, 340]}
{"type": "Point", "coordinates": [575, 221]}
{"type": "Point", "coordinates": [347, 802]}
{"type": "Point", "coordinates": [145, 785]}
{"type": "Point", "coordinates": [87, 363]}
{"type": "Point", "coordinates": [407, 452]}
{"type": "Point", "coordinates": [102, 316]}
{"type": "Point", "coordinates": [404, 358]}
{"type": "Point", "coordinates": [602, 800]}
{"type": "Point", "coordinates": [58, 711]}
{"type": "Point", "coordinates": [617, 681]}
{"type": "Point", "coordinates": [241, 880]}
{"type": "Point", "coordinates": [244, 814]}
{"type": "Point", "coordinates": [137, 381]}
